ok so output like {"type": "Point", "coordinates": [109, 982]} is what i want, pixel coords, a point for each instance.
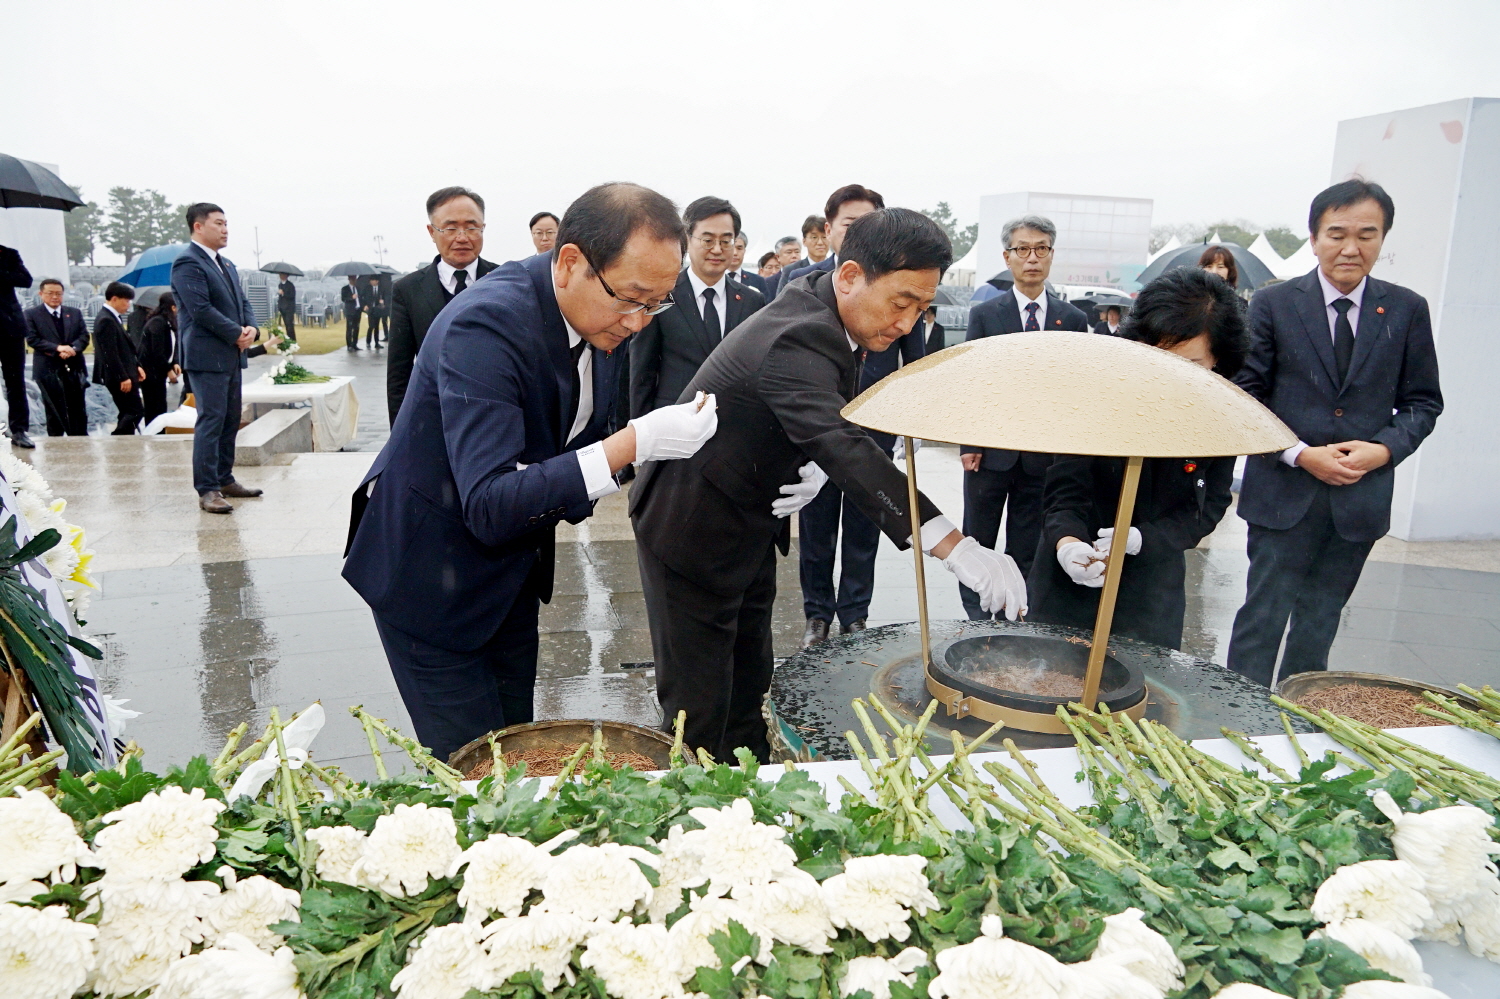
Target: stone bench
{"type": "Point", "coordinates": [281, 431]}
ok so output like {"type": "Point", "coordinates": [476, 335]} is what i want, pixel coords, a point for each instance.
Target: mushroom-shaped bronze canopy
{"type": "Point", "coordinates": [1070, 393]}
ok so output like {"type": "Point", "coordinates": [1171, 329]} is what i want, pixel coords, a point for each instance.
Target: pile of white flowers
{"type": "Point", "coordinates": [68, 561]}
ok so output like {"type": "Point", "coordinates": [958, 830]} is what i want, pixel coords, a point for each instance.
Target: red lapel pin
{"type": "Point", "coordinates": [1057, 322]}
{"type": "Point", "coordinates": [1380, 309]}
{"type": "Point", "coordinates": [1190, 467]}
{"type": "Point", "coordinates": [736, 298]}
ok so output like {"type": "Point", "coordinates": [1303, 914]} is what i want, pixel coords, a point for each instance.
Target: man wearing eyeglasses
{"type": "Point", "coordinates": [502, 435]}
{"type": "Point", "coordinates": [1009, 483]}
{"type": "Point", "coordinates": [668, 352]}
{"type": "Point", "coordinates": [455, 221]}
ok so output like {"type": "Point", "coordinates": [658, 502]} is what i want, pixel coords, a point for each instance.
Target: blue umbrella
{"type": "Point", "coordinates": [153, 266]}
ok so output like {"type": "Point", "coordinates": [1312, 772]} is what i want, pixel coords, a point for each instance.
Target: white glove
{"type": "Point", "coordinates": [676, 431]}
{"type": "Point", "coordinates": [993, 575]}
{"type": "Point", "coordinates": [1106, 534]}
{"type": "Point", "coordinates": [899, 454]}
{"type": "Point", "coordinates": [799, 494]}
{"type": "Point", "coordinates": [1082, 563]}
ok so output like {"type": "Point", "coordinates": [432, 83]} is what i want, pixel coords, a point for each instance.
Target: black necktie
{"type": "Point", "coordinates": [576, 352]}
{"type": "Point", "coordinates": [1031, 323]}
{"type": "Point", "coordinates": [711, 316]}
{"type": "Point", "coordinates": [1343, 338]}
{"type": "Point", "coordinates": [461, 281]}
{"type": "Point", "coordinates": [222, 269]}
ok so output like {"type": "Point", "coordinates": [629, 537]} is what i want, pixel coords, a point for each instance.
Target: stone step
{"type": "Point", "coordinates": [281, 431]}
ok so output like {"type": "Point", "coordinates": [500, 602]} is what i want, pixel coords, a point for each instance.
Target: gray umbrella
{"type": "Point", "coordinates": [356, 268]}
{"type": "Point", "coordinates": [150, 297]}
{"type": "Point", "coordinates": [24, 184]}
{"type": "Point", "coordinates": [1253, 273]}
{"type": "Point", "coordinates": [282, 267]}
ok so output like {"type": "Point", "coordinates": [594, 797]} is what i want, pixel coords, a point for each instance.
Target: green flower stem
{"type": "Point", "coordinates": [231, 741]}
{"type": "Point", "coordinates": [17, 745]}
{"type": "Point", "coordinates": [31, 772]}
{"type": "Point", "coordinates": [289, 802]}
{"type": "Point", "coordinates": [1286, 724]}
{"type": "Point", "coordinates": [1253, 752]}
{"type": "Point", "coordinates": [418, 753]}
{"type": "Point", "coordinates": [566, 773]}
{"type": "Point", "coordinates": [368, 724]}
{"type": "Point", "coordinates": [877, 743]}
{"type": "Point", "coordinates": [679, 725]}
{"type": "Point", "coordinates": [312, 964]}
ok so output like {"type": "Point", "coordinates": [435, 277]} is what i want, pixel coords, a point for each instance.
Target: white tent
{"type": "Point", "coordinates": [1172, 244]}
{"type": "Point", "coordinates": [1263, 251]}
{"type": "Point", "coordinates": [962, 272]}
{"type": "Point", "coordinates": [1216, 238]}
{"type": "Point", "coordinates": [1298, 263]}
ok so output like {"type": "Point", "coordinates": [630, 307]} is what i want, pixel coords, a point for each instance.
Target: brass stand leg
{"type": "Point", "coordinates": [916, 550]}
{"type": "Point", "coordinates": [1112, 570]}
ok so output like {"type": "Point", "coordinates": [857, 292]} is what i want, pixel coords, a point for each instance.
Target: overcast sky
{"type": "Point", "coordinates": [326, 124]}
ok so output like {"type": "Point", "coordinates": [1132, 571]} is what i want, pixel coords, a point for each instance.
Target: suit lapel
{"type": "Point", "coordinates": [1010, 314]}
{"type": "Point", "coordinates": [1315, 323]}
{"type": "Point", "coordinates": [1371, 324]}
{"type": "Point", "coordinates": [734, 308]}
{"type": "Point", "coordinates": [556, 336]}
{"type": "Point", "coordinates": [687, 305]}
{"type": "Point", "coordinates": [432, 288]}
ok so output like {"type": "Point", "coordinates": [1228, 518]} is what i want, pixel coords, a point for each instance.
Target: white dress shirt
{"type": "Point", "coordinates": [1022, 301]}
{"type": "Point", "coordinates": [446, 272]}
{"type": "Point", "coordinates": [1331, 295]}
{"type": "Point", "coordinates": [212, 255]}
{"type": "Point", "coordinates": [719, 304]}
{"type": "Point", "coordinates": [597, 478]}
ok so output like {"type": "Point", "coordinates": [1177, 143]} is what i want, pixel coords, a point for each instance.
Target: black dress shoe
{"type": "Point", "coordinates": [817, 631]}
{"type": "Point", "coordinates": [238, 491]}
{"type": "Point", "coordinates": [854, 627]}
{"type": "Point", "coordinates": [19, 439]}
{"type": "Point", "coordinates": [213, 501]}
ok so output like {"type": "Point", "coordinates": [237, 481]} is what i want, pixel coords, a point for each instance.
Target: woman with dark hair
{"type": "Point", "coordinates": [1195, 315]}
{"type": "Point", "coordinates": [1218, 260]}
{"type": "Point", "coordinates": [158, 356]}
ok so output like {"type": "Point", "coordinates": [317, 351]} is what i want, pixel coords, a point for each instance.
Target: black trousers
{"type": "Point", "coordinates": [456, 697]}
{"type": "Point", "coordinates": [817, 540]}
{"type": "Point", "coordinates": [1305, 573]}
{"type": "Point", "coordinates": [289, 323]}
{"type": "Point", "coordinates": [217, 396]}
{"type": "Point", "coordinates": [13, 366]}
{"type": "Point", "coordinates": [713, 655]}
{"type": "Point", "coordinates": [62, 397]}
{"type": "Point", "coordinates": [986, 494]}
{"type": "Point", "coordinates": [153, 396]}
{"type": "Point", "coordinates": [351, 329]}
{"type": "Point", "coordinates": [372, 330]}
{"type": "Point", "coordinates": [130, 407]}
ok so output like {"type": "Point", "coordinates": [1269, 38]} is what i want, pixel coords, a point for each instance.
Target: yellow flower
{"type": "Point", "coordinates": [85, 556]}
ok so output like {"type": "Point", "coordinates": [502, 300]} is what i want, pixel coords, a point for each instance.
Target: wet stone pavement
{"type": "Point", "coordinates": [209, 621]}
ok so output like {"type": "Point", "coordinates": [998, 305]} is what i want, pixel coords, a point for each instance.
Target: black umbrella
{"type": "Point", "coordinates": [384, 269]}
{"type": "Point", "coordinates": [150, 296]}
{"type": "Point", "coordinates": [282, 267]}
{"type": "Point", "coordinates": [1253, 273]}
{"type": "Point", "coordinates": [355, 268]}
{"type": "Point", "coordinates": [1004, 280]}
{"type": "Point", "coordinates": [24, 184]}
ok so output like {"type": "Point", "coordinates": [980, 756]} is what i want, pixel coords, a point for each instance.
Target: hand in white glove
{"type": "Point", "coordinates": [899, 454]}
{"type": "Point", "coordinates": [1082, 563]}
{"type": "Point", "coordinates": [993, 575]}
{"type": "Point", "coordinates": [676, 431]}
{"type": "Point", "coordinates": [1106, 535]}
{"type": "Point", "coordinates": [799, 494]}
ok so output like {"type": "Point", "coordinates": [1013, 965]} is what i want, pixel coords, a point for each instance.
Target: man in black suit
{"type": "Point", "coordinates": [455, 221]}
{"type": "Point", "coordinates": [14, 275]}
{"type": "Point", "coordinates": [286, 306]}
{"type": "Point", "coordinates": [708, 527]}
{"type": "Point", "coordinates": [936, 336]}
{"type": "Point", "coordinates": [116, 366]}
{"type": "Point", "coordinates": [843, 206]}
{"type": "Point", "coordinates": [373, 303]}
{"type": "Point", "coordinates": [58, 337]}
{"type": "Point", "coordinates": [1009, 483]}
{"type": "Point", "coordinates": [669, 350]}
{"type": "Point", "coordinates": [736, 270]}
{"type": "Point", "coordinates": [543, 228]}
{"type": "Point", "coordinates": [350, 295]}
{"type": "Point", "coordinates": [1348, 362]}
{"type": "Point", "coordinates": [215, 326]}
{"type": "Point", "coordinates": [1109, 321]}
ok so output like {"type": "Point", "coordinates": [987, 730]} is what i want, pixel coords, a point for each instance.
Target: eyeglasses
{"type": "Point", "coordinates": [1040, 252]}
{"type": "Point", "coordinates": [708, 242]}
{"type": "Point", "coordinates": [629, 306]}
{"type": "Point", "coordinates": [453, 230]}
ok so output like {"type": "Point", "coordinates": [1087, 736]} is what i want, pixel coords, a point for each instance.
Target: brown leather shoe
{"type": "Point", "coordinates": [239, 492]}
{"type": "Point", "coordinates": [213, 501]}
{"type": "Point", "coordinates": [817, 632]}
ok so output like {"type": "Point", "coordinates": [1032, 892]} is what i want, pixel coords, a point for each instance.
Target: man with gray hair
{"type": "Point", "coordinates": [1009, 483]}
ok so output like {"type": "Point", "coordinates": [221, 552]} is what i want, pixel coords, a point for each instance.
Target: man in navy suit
{"type": "Point", "coordinates": [848, 203]}
{"type": "Point", "coordinates": [737, 270]}
{"type": "Point", "coordinates": [1000, 482]}
{"type": "Point", "coordinates": [58, 339]}
{"type": "Point", "coordinates": [215, 327]}
{"type": "Point", "coordinates": [502, 434]}
{"type": "Point", "coordinates": [1348, 362]}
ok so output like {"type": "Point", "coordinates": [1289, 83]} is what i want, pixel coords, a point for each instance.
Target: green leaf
{"type": "Point", "coordinates": [1277, 946]}
{"type": "Point", "coordinates": [1232, 855]}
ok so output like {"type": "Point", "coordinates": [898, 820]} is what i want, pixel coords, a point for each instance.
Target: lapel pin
{"type": "Point", "coordinates": [1057, 322]}
{"type": "Point", "coordinates": [1380, 309]}
{"type": "Point", "coordinates": [736, 298]}
{"type": "Point", "coordinates": [1190, 467]}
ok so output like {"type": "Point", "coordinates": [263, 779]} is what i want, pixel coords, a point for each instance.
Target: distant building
{"type": "Point", "coordinates": [1101, 241]}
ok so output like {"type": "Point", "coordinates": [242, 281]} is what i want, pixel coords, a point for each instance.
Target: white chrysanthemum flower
{"type": "Point", "coordinates": [596, 882]}
{"type": "Point", "coordinates": [634, 961]}
{"type": "Point", "coordinates": [875, 974]}
{"type": "Point", "coordinates": [872, 895]}
{"type": "Point", "coordinates": [21, 891]}
{"type": "Point", "coordinates": [499, 873]}
{"type": "Point", "coordinates": [1156, 962]}
{"type": "Point", "coordinates": [1245, 990]}
{"type": "Point", "coordinates": [43, 953]}
{"type": "Point", "coordinates": [407, 847]}
{"type": "Point", "coordinates": [162, 836]}
{"type": "Point", "coordinates": [1450, 847]}
{"type": "Point", "coordinates": [540, 941]}
{"type": "Point", "coordinates": [445, 964]}
{"type": "Point", "coordinates": [792, 907]}
{"type": "Point", "coordinates": [676, 868]}
{"type": "Point", "coordinates": [1386, 892]}
{"type": "Point", "coordinates": [711, 915]}
{"type": "Point", "coordinates": [40, 841]}
{"type": "Point", "coordinates": [1109, 978]}
{"type": "Point", "coordinates": [733, 849]}
{"type": "Point", "coordinates": [339, 849]}
{"type": "Point", "coordinates": [1442, 926]}
{"type": "Point", "coordinates": [1480, 916]}
{"type": "Point", "coordinates": [23, 478]}
{"type": "Point", "coordinates": [234, 969]}
{"type": "Point", "coordinates": [1383, 949]}
{"type": "Point", "coordinates": [248, 908]}
{"type": "Point", "coordinates": [993, 967]}
{"type": "Point", "coordinates": [145, 926]}
{"type": "Point", "coordinates": [1376, 988]}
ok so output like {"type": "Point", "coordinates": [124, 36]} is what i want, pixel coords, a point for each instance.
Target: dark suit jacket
{"type": "Point", "coordinates": [286, 297]}
{"type": "Point", "coordinates": [750, 279]}
{"type": "Point", "coordinates": [937, 338]}
{"type": "Point", "coordinates": [1175, 509]}
{"type": "Point", "coordinates": [1103, 330]}
{"type": "Point", "coordinates": [800, 269]}
{"type": "Point", "coordinates": [158, 347]}
{"type": "Point", "coordinates": [875, 365]}
{"type": "Point", "coordinates": [781, 380]}
{"type": "Point", "coordinates": [210, 312]}
{"type": "Point", "coordinates": [1390, 396]}
{"type": "Point", "coordinates": [669, 350]}
{"type": "Point", "coordinates": [416, 300]}
{"type": "Point", "coordinates": [353, 299]}
{"type": "Point", "coordinates": [453, 528]}
{"type": "Point", "coordinates": [45, 337]}
{"type": "Point", "coordinates": [115, 359]}
{"type": "Point", "coordinates": [1000, 315]}
{"type": "Point", "coordinates": [13, 275]}
{"type": "Point", "coordinates": [371, 299]}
